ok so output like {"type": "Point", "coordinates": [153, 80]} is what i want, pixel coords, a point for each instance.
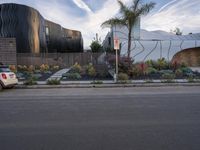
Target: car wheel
{"type": "Point", "coordinates": [1, 87]}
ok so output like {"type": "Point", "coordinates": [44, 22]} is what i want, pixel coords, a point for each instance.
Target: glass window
{"type": "Point", "coordinates": [4, 69]}
{"type": "Point", "coordinates": [47, 30]}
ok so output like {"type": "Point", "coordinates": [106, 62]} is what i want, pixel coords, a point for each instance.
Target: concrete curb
{"type": "Point", "coordinates": [104, 85]}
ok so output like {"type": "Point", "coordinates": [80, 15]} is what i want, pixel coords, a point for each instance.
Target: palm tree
{"type": "Point", "coordinates": [129, 17]}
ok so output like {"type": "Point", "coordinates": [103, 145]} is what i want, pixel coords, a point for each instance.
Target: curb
{"type": "Point", "coordinates": [104, 85]}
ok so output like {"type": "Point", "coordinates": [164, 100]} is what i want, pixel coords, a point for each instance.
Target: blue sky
{"type": "Point", "coordinates": [87, 15]}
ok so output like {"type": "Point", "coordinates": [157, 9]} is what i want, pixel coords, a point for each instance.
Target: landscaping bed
{"type": "Point", "coordinates": [153, 70]}
{"type": "Point", "coordinates": [86, 73]}
{"type": "Point", "coordinates": [34, 73]}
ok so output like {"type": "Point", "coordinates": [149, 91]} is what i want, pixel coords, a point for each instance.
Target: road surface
{"type": "Point", "coordinates": [162, 118]}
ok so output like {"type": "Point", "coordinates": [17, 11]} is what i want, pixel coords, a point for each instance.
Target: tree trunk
{"type": "Point", "coordinates": [129, 42]}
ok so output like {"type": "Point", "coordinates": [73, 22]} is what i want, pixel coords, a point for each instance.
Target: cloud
{"type": "Point", "coordinates": [78, 15]}
{"type": "Point", "coordinates": [82, 5]}
{"type": "Point", "coordinates": [166, 5]}
{"type": "Point", "coordinates": [89, 24]}
{"type": "Point", "coordinates": [183, 14]}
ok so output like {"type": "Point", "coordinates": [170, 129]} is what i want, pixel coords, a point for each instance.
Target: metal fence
{"type": "Point", "coordinates": [61, 59]}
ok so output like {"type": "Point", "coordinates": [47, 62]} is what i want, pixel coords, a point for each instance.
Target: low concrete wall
{"type": "Point", "coordinates": [8, 51]}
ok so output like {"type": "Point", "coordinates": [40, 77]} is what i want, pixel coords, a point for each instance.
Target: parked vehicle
{"type": "Point", "coordinates": [7, 77]}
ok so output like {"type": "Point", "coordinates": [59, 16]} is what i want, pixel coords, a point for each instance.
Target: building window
{"type": "Point", "coordinates": [109, 41]}
{"type": "Point", "coordinates": [47, 31]}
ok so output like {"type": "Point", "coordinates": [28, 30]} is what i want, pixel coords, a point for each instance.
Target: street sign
{"type": "Point", "coordinates": [116, 44]}
{"type": "Point", "coordinates": [116, 47]}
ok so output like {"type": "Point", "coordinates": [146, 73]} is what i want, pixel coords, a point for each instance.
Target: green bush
{"type": "Point", "coordinates": [162, 64]}
{"type": "Point", "coordinates": [55, 67]}
{"type": "Point", "coordinates": [152, 70]}
{"type": "Point", "coordinates": [187, 71]}
{"type": "Point", "coordinates": [138, 69]}
{"type": "Point", "coordinates": [96, 46]}
{"type": "Point", "coordinates": [31, 80]}
{"type": "Point", "coordinates": [190, 79]}
{"type": "Point", "coordinates": [123, 77]}
{"type": "Point", "coordinates": [53, 82]}
{"type": "Point", "coordinates": [22, 68]}
{"type": "Point", "coordinates": [166, 72]}
{"type": "Point", "coordinates": [72, 76]}
{"type": "Point", "coordinates": [91, 70]}
{"type": "Point", "coordinates": [134, 72]}
{"type": "Point", "coordinates": [150, 63]}
{"type": "Point", "coordinates": [76, 68]}
{"type": "Point", "coordinates": [179, 73]}
{"type": "Point", "coordinates": [44, 67]}
{"type": "Point", "coordinates": [37, 71]}
{"type": "Point", "coordinates": [168, 77]}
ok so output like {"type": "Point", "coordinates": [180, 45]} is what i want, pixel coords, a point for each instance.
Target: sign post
{"type": "Point", "coordinates": [116, 47]}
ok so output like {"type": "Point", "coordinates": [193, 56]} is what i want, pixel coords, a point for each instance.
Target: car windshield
{"type": "Point", "coordinates": [4, 69]}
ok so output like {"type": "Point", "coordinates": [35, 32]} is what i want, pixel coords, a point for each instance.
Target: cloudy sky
{"type": "Point", "coordinates": [87, 15]}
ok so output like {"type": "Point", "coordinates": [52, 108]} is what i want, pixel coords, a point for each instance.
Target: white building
{"type": "Point", "coordinates": [153, 45]}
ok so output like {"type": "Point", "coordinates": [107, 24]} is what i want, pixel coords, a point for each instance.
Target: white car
{"type": "Point", "coordinates": [7, 78]}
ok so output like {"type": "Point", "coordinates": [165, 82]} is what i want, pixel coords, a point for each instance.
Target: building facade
{"type": "Point", "coordinates": [34, 34]}
{"type": "Point", "coordinates": [153, 45]}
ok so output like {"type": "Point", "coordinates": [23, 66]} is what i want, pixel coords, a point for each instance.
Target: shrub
{"type": "Point", "coordinates": [125, 63]}
{"type": "Point", "coordinates": [22, 68]}
{"type": "Point", "coordinates": [20, 75]}
{"type": "Point", "coordinates": [151, 70]}
{"type": "Point", "coordinates": [13, 68]}
{"type": "Point", "coordinates": [53, 82]}
{"type": "Point", "coordinates": [166, 72]}
{"type": "Point", "coordinates": [176, 64]}
{"type": "Point", "coordinates": [133, 72]}
{"type": "Point", "coordinates": [44, 67]}
{"type": "Point", "coordinates": [37, 71]}
{"type": "Point", "coordinates": [187, 71]}
{"type": "Point", "coordinates": [152, 63]}
{"type": "Point", "coordinates": [76, 68]}
{"type": "Point", "coordinates": [162, 64]}
{"type": "Point", "coordinates": [140, 69]}
{"type": "Point", "coordinates": [168, 77]}
{"type": "Point", "coordinates": [72, 76]}
{"type": "Point", "coordinates": [31, 80]}
{"type": "Point", "coordinates": [31, 69]}
{"type": "Point", "coordinates": [55, 67]}
{"type": "Point", "coordinates": [91, 70]}
{"type": "Point", "coordinates": [179, 73]}
{"type": "Point", "coordinates": [122, 77]}
{"type": "Point", "coordinates": [190, 79]}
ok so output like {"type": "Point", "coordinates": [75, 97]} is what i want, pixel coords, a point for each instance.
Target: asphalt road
{"type": "Point", "coordinates": [166, 118]}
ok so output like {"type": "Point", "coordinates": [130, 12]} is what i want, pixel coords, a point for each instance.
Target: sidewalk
{"type": "Point", "coordinates": [109, 84]}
